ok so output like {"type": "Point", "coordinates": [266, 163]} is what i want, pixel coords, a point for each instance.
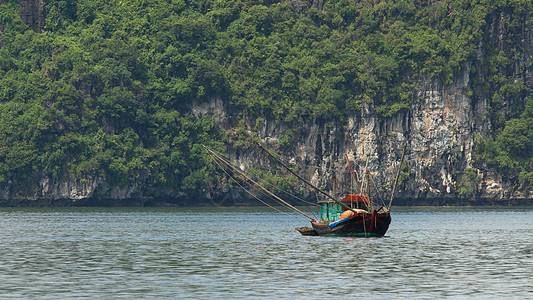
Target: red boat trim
{"type": "Point", "coordinates": [372, 221]}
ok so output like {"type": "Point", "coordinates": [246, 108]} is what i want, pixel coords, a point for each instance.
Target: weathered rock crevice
{"type": "Point", "coordinates": [439, 129]}
{"type": "Point", "coordinates": [33, 14]}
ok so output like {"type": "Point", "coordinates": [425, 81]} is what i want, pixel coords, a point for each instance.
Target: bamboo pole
{"type": "Point", "coordinates": [245, 189]}
{"type": "Point", "coordinates": [302, 179]}
{"type": "Point", "coordinates": [353, 174]}
{"type": "Point", "coordinates": [397, 177]}
{"type": "Point", "coordinates": [256, 183]}
{"type": "Point", "coordinates": [370, 202]}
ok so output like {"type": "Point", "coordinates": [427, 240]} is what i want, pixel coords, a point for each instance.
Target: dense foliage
{"type": "Point", "coordinates": [510, 152]}
{"type": "Point", "coordinates": [106, 89]}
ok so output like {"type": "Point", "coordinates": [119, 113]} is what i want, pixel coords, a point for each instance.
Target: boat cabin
{"type": "Point", "coordinates": [331, 211]}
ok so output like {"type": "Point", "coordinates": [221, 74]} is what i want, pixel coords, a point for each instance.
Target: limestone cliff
{"type": "Point", "coordinates": [33, 14]}
{"type": "Point", "coordinates": [439, 128]}
{"type": "Point", "coordinates": [1, 30]}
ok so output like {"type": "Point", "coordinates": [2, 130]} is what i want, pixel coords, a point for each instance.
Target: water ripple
{"type": "Point", "coordinates": [254, 253]}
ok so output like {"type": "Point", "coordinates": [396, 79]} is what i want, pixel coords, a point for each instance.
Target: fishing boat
{"type": "Point", "coordinates": [336, 220]}
{"type": "Point", "coordinates": [355, 215]}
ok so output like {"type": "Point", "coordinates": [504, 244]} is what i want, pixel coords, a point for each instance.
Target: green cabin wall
{"type": "Point", "coordinates": [330, 211]}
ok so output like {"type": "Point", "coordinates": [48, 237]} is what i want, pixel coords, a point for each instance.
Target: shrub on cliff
{"type": "Point", "coordinates": [107, 87]}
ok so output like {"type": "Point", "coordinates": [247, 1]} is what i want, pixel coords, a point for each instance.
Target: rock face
{"type": "Point", "coordinates": [33, 14]}
{"type": "Point", "coordinates": [439, 130]}
{"type": "Point", "coordinates": [91, 190]}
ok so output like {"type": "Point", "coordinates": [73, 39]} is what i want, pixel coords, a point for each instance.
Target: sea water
{"type": "Point", "coordinates": [180, 253]}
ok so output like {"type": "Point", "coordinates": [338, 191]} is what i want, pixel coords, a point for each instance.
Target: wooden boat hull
{"type": "Point", "coordinates": [307, 231]}
{"type": "Point", "coordinates": [359, 225]}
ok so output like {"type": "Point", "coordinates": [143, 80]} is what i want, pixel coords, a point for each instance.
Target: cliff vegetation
{"type": "Point", "coordinates": [105, 90]}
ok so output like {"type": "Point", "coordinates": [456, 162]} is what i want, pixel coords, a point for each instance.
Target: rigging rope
{"type": "Point", "coordinates": [290, 194]}
{"type": "Point", "coordinates": [378, 192]}
{"type": "Point", "coordinates": [258, 184]}
{"type": "Point", "coordinates": [257, 178]}
{"type": "Point", "coordinates": [246, 190]}
{"type": "Point", "coordinates": [302, 179]}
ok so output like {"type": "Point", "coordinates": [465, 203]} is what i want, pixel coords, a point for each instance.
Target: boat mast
{"type": "Point", "coordinates": [369, 202]}
{"type": "Point", "coordinates": [354, 175]}
{"type": "Point", "coordinates": [333, 190]}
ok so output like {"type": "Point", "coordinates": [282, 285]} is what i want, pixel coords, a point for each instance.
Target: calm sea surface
{"type": "Point", "coordinates": [256, 253]}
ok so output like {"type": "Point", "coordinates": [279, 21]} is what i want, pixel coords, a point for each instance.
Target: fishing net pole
{"type": "Point", "coordinates": [246, 190]}
{"type": "Point", "coordinates": [256, 183]}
